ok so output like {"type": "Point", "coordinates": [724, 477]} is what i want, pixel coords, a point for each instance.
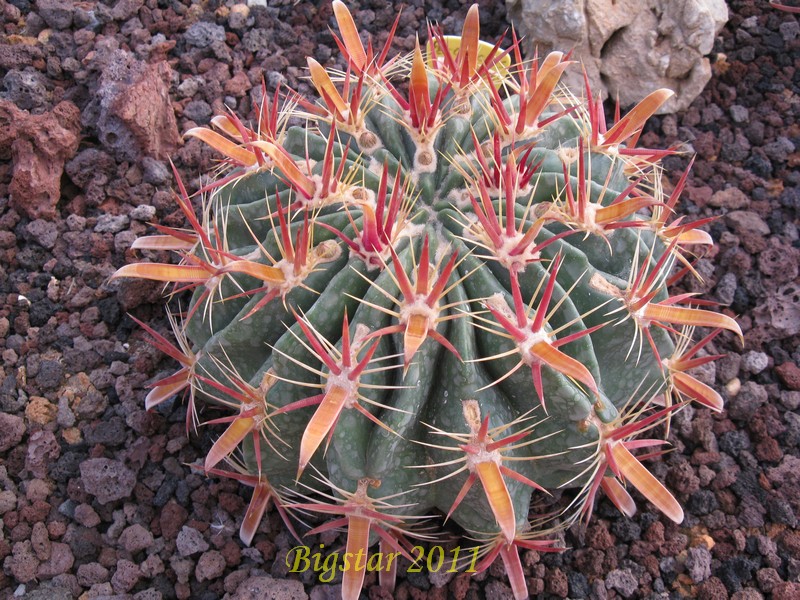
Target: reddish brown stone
{"type": "Point", "coordinates": [40, 541]}
{"type": "Point", "coordinates": [183, 591]}
{"type": "Point", "coordinates": [790, 541]}
{"type": "Point", "coordinates": [557, 583]}
{"type": "Point", "coordinates": [436, 593]}
{"type": "Point", "coordinates": [39, 146]}
{"type": "Point", "coordinates": [460, 584]}
{"type": "Point", "coordinates": [639, 549]}
{"type": "Point", "coordinates": [60, 562]}
{"type": "Point", "coordinates": [172, 518]}
{"type": "Point", "coordinates": [21, 532]}
{"type": "Point", "coordinates": [789, 374]}
{"type": "Point", "coordinates": [598, 536]}
{"type": "Point", "coordinates": [712, 589]}
{"type": "Point", "coordinates": [769, 450]}
{"type": "Point", "coordinates": [266, 548]}
{"type": "Point", "coordinates": [23, 563]}
{"type": "Point", "coordinates": [788, 590]}
{"type": "Point", "coordinates": [655, 533]}
{"type": "Point", "coordinates": [35, 512]}
{"type": "Point", "coordinates": [237, 85]}
{"type": "Point", "coordinates": [232, 553]}
{"type": "Point", "coordinates": [146, 110]}
{"type": "Point", "coordinates": [56, 529]}
{"type": "Point", "coordinates": [231, 503]}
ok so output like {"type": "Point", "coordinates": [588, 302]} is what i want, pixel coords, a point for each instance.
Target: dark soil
{"type": "Point", "coordinates": [96, 498]}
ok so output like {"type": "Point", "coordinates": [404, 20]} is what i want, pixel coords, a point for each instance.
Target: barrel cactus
{"type": "Point", "coordinates": [438, 292]}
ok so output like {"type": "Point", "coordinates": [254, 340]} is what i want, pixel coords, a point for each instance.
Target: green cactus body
{"type": "Point", "coordinates": [444, 302]}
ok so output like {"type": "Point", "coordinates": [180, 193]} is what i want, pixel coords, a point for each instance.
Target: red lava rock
{"type": "Point", "coordinates": [786, 473]}
{"type": "Point", "coordinates": [11, 518]}
{"type": "Point", "coordinates": [712, 589]}
{"type": "Point", "coordinates": [557, 583]}
{"type": "Point", "coordinates": [35, 512]}
{"type": "Point", "coordinates": [131, 107]}
{"type": "Point", "coordinates": [639, 549]}
{"type": "Point", "coordinates": [108, 557]}
{"type": "Point", "coordinates": [787, 590]}
{"type": "Point", "coordinates": [135, 539]}
{"type": "Point", "coordinates": [8, 501]}
{"type": "Point", "coordinates": [21, 532]}
{"type": "Point", "coordinates": [146, 110]}
{"type": "Point", "coordinates": [152, 566]}
{"type": "Point", "coordinates": [768, 450]}
{"type": "Point", "coordinates": [237, 85]}
{"type": "Point", "coordinates": [267, 549]}
{"type": "Point", "coordinates": [779, 316]}
{"type": "Point", "coordinates": [682, 479]}
{"type": "Point", "coordinates": [14, 55]}
{"type": "Point", "coordinates": [779, 262]}
{"type": "Point", "coordinates": [84, 399]}
{"type": "Point", "coordinates": [655, 533]}
{"type": "Point", "coordinates": [40, 540]}
{"type": "Point", "coordinates": [183, 591]}
{"type": "Point", "coordinates": [5, 549]}
{"type": "Point", "coordinates": [43, 449]}
{"type": "Point", "coordinates": [789, 374]}
{"type": "Point", "coordinates": [172, 518]}
{"type": "Point", "coordinates": [12, 428]}
{"type": "Point", "coordinates": [61, 561]}
{"type": "Point", "coordinates": [232, 553]}
{"type": "Point", "coordinates": [230, 503]}
{"type": "Point", "coordinates": [126, 576]}
{"type": "Point", "coordinates": [767, 579]}
{"type": "Point", "coordinates": [92, 573]}
{"type": "Point", "coordinates": [56, 529]}
{"type": "Point", "coordinates": [598, 536]}
{"type": "Point", "coordinates": [107, 480]}
{"type": "Point", "coordinates": [23, 562]}
{"type": "Point", "coordinates": [376, 592]}
{"type": "Point", "coordinates": [790, 541]}
{"type": "Point", "coordinates": [257, 588]}
{"type": "Point", "coordinates": [131, 293]}
{"type": "Point", "coordinates": [233, 580]}
{"type": "Point", "coordinates": [699, 195]}
{"type": "Point", "coordinates": [190, 541]}
{"type": "Point", "coordinates": [210, 565]}
{"type": "Point", "coordinates": [40, 145]}
{"type": "Point", "coordinates": [38, 489]}
{"type": "Point", "coordinates": [86, 515]}
{"type": "Point", "coordinates": [731, 198]}
{"type": "Point", "coordinates": [535, 586]}
{"type": "Point", "coordinates": [750, 228]}
{"type": "Point", "coordinates": [125, 9]}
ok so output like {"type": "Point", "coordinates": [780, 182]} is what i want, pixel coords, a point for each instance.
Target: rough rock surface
{"type": "Point", "coordinates": [107, 480]}
{"type": "Point", "coordinates": [267, 588]}
{"type": "Point", "coordinates": [38, 146]}
{"type": "Point", "coordinates": [131, 109]}
{"type": "Point", "coordinates": [75, 368]}
{"type": "Point", "coordinates": [628, 47]}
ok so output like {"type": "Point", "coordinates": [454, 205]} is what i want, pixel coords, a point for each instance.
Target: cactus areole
{"type": "Point", "coordinates": [442, 296]}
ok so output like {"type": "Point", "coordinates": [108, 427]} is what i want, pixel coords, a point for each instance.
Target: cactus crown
{"type": "Point", "coordinates": [443, 294]}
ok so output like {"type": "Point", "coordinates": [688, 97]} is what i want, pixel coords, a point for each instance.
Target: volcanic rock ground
{"type": "Point", "coordinates": [96, 498]}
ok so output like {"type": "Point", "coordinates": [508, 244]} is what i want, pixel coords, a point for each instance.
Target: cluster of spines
{"type": "Point", "coordinates": [497, 173]}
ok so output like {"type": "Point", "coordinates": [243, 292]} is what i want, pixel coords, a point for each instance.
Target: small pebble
{"type": "Point", "coordinates": [190, 541]}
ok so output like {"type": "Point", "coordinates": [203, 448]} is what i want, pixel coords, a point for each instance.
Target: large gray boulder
{"type": "Point", "coordinates": [628, 47]}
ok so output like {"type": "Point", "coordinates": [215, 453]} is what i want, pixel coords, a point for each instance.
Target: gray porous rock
{"type": "Point", "coordinates": [628, 47]}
